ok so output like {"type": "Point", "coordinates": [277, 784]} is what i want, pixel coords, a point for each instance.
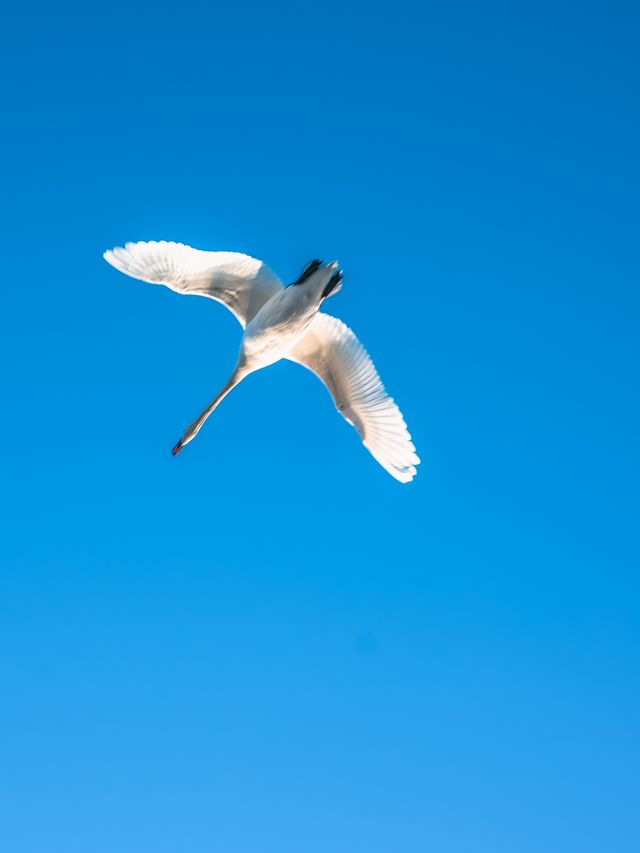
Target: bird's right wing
{"type": "Point", "coordinates": [332, 351]}
{"type": "Point", "coordinates": [239, 281]}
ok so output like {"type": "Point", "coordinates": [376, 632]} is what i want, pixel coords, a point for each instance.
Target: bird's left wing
{"type": "Point", "coordinates": [332, 351]}
{"type": "Point", "coordinates": [239, 281]}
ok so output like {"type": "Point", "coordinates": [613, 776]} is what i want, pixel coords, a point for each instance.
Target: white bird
{"type": "Point", "coordinates": [282, 322]}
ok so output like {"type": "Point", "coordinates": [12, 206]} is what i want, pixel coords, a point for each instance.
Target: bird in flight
{"type": "Point", "coordinates": [282, 322]}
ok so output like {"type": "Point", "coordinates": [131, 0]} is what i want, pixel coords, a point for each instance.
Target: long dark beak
{"type": "Point", "coordinates": [177, 448]}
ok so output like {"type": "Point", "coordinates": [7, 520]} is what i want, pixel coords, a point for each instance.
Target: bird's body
{"type": "Point", "coordinates": [282, 322]}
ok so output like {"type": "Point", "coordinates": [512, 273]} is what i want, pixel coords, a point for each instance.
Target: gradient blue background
{"type": "Point", "coordinates": [267, 644]}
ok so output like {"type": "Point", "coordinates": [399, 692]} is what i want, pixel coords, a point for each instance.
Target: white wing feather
{"type": "Point", "coordinates": [239, 281]}
{"type": "Point", "coordinates": [332, 351]}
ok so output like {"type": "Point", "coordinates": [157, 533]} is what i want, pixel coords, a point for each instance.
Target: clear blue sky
{"type": "Point", "coordinates": [267, 645]}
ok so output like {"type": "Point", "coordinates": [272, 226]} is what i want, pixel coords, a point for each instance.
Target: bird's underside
{"type": "Point", "coordinates": [280, 323]}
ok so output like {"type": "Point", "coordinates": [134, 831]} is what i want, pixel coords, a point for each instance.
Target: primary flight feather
{"type": "Point", "coordinates": [282, 322]}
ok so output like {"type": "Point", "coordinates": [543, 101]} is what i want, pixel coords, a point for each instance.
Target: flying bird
{"type": "Point", "coordinates": [282, 322]}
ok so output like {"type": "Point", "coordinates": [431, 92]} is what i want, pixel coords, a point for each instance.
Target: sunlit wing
{"type": "Point", "coordinates": [239, 281]}
{"type": "Point", "coordinates": [332, 351]}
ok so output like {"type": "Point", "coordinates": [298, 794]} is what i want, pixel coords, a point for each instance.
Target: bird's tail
{"type": "Point", "coordinates": [333, 285]}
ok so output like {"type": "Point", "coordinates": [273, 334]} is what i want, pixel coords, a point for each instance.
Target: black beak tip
{"type": "Point", "coordinates": [177, 448]}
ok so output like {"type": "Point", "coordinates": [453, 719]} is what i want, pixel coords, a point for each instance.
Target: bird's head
{"type": "Point", "coordinates": [189, 434]}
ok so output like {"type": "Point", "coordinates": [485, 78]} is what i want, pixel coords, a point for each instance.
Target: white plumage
{"type": "Point", "coordinates": [280, 323]}
{"type": "Point", "coordinates": [240, 282]}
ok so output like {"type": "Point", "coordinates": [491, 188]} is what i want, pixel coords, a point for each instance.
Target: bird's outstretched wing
{"type": "Point", "coordinates": [240, 282]}
{"type": "Point", "coordinates": [332, 351]}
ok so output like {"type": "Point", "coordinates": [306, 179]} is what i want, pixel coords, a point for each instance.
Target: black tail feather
{"type": "Point", "coordinates": [333, 283]}
{"type": "Point", "coordinates": [310, 268]}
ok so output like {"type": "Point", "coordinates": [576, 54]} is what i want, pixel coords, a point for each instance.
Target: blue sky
{"type": "Point", "coordinates": [267, 644]}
